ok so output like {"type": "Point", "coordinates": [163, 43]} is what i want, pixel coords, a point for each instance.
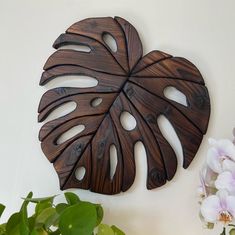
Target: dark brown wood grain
{"type": "Point", "coordinates": [127, 82]}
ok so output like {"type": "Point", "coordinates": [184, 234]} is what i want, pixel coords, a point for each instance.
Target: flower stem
{"type": "Point", "coordinates": [224, 231]}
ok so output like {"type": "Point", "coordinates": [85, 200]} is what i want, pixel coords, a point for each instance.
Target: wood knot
{"type": "Point", "coordinates": [77, 150]}
{"type": "Point", "coordinates": [129, 92]}
{"type": "Point", "coordinates": [60, 91]}
{"type": "Point", "coordinates": [101, 149]}
{"type": "Point", "coordinates": [167, 110]}
{"type": "Point", "coordinates": [151, 119]}
{"type": "Point", "coordinates": [199, 101]}
{"type": "Point", "coordinates": [157, 176]}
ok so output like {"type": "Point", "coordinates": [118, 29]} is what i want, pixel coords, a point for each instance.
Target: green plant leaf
{"type": "Point", "coordinates": [72, 198]}
{"type": "Point", "coordinates": [61, 207]}
{"type": "Point", "coordinates": [46, 218]}
{"type": "Point", "coordinates": [2, 208]}
{"type": "Point", "coordinates": [2, 229]}
{"type": "Point", "coordinates": [104, 229]}
{"type": "Point", "coordinates": [100, 214]}
{"type": "Point", "coordinates": [31, 221]}
{"type": "Point", "coordinates": [232, 231]}
{"type": "Point", "coordinates": [37, 200]}
{"type": "Point", "coordinates": [40, 206]}
{"type": "Point", "coordinates": [24, 224]}
{"type": "Point", "coordinates": [13, 225]}
{"type": "Point", "coordinates": [117, 231]}
{"type": "Point", "coordinates": [39, 231]}
{"type": "Point", "coordinates": [78, 219]}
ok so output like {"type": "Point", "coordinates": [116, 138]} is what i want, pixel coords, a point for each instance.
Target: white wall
{"type": "Point", "coordinates": [202, 31]}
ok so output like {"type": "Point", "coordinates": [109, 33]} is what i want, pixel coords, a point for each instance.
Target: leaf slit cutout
{"type": "Point", "coordinates": [140, 156]}
{"type": "Point", "coordinates": [76, 47]}
{"type": "Point", "coordinates": [77, 81]}
{"type": "Point", "coordinates": [61, 110]}
{"type": "Point", "coordinates": [70, 133]}
{"type": "Point", "coordinates": [170, 135]}
{"type": "Point", "coordinates": [42, 83]}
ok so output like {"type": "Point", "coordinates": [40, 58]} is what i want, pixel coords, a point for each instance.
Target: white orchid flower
{"type": "Point", "coordinates": [219, 208]}
{"type": "Point", "coordinates": [226, 180]}
{"type": "Point", "coordinates": [207, 182]}
{"type": "Point", "coordinates": [221, 155]}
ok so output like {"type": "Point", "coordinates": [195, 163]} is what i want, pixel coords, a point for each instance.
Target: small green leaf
{"type": "Point", "coordinates": [61, 207]}
{"type": "Point", "coordinates": [46, 218]}
{"type": "Point", "coordinates": [100, 214]}
{"type": "Point", "coordinates": [2, 208]}
{"type": "Point", "coordinates": [3, 229]}
{"type": "Point", "coordinates": [24, 224]}
{"type": "Point", "coordinates": [78, 219]}
{"type": "Point", "coordinates": [42, 205]}
{"type": "Point", "coordinates": [71, 198]}
{"type": "Point", "coordinates": [13, 225]}
{"type": "Point", "coordinates": [31, 221]}
{"type": "Point", "coordinates": [117, 231]}
{"type": "Point", "coordinates": [104, 229]}
{"type": "Point", "coordinates": [37, 200]}
{"type": "Point", "coordinates": [232, 231]}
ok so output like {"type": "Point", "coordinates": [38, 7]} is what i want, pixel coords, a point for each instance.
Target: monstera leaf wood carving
{"type": "Point", "coordinates": [127, 81]}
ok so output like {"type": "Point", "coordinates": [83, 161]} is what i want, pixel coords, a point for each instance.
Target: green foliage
{"type": "Point", "coordinates": [2, 208]}
{"type": "Point", "coordinates": [75, 217]}
{"type": "Point", "coordinates": [232, 231]}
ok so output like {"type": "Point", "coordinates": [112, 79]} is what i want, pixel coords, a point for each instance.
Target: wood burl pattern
{"type": "Point", "coordinates": [127, 81]}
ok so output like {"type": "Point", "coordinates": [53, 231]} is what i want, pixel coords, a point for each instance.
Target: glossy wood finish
{"type": "Point", "coordinates": [126, 82]}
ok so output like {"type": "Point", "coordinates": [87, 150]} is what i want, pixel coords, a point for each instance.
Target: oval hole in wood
{"type": "Point", "coordinates": [128, 121]}
{"type": "Point", "coordinates": [80, 173]}
{"type": "Point", "coordinates": [110, 41]}
{"type": "Point", "coordinates": [96, 102]}
{"type": "Point", "coordinates": [172, 138]}
{"type": "Point", "coordinates": [80, 81]}
{"type": "Point", "coordinates": [113, 160]}
{"type": "Point", "coordinates": [70, 133]}
{"type": "Point", "coordinates": [62, 110]}
{"type": "Point", "coordinates": [174, 94]}
{"type": "Point", "coordinates": [82, 48]}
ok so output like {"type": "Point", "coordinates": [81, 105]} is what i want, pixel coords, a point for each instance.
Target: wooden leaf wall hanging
{"type": "Point", "coordinates": [127, 82]}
